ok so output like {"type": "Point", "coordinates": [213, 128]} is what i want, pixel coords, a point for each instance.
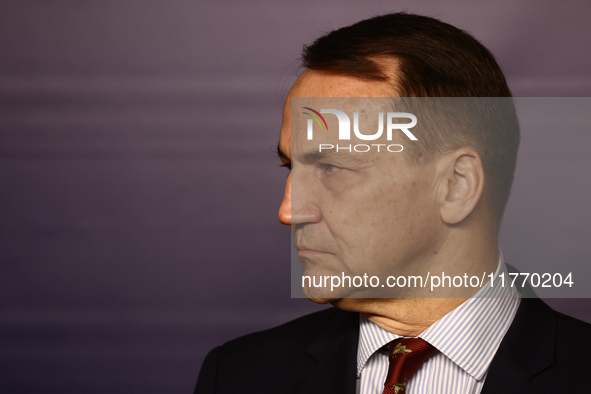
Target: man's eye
{"type": "Point", "coordinates": [330, 168]}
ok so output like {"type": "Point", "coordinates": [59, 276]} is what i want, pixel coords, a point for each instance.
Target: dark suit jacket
{"type": "Point", "coordinates": [543, 352]}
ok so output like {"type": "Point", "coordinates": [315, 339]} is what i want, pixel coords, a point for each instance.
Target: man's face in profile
{"type": "Point", "coordinates": [354, 213]}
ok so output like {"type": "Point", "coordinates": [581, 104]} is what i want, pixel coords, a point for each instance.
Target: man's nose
{"type": "Point", "coordinates": [285, 208]}
{"type": "Point", "coordinates": [296, 212]}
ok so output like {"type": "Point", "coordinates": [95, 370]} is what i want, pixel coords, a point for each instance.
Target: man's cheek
{"type": "Point", "coordinates": [344, 183]}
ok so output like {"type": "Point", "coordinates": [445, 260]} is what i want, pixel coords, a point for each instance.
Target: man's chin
{"type": "Point", "coordinates": [324, 295]}
{"type": "Point", "coordinates": [346, 304]}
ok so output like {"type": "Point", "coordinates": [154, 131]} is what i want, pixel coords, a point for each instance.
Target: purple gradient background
{"type": "Point", "coordinates": [138, 183]}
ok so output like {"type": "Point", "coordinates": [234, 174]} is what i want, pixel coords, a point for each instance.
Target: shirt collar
{"type": "Point", "coordinates": [371, 338]}
{"type": "Point", "coordinates": [469, 335]}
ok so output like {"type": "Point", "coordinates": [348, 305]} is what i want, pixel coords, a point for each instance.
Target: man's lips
{"type": "Point", "coordinates": [304, 251]}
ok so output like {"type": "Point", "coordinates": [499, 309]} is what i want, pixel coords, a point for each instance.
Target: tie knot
{"type": "Point", "coordinates": [406, 356]}
{"type": "Point", "coordinates": [406, 346]}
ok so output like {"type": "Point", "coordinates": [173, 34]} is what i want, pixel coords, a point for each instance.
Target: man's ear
{"type": "Point", "coordinates": [460, 184]}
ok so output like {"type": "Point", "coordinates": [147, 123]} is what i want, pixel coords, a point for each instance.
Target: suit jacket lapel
{"type": "Point", "coordinates": [527, 349]}
{"type": "Point", "coordinates": [335, 350]}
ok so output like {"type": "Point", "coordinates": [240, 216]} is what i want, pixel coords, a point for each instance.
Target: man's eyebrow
{"type": "Point", "coordinates": [315, 156]}
{"type": "Point", "coordinates": [282, 154]}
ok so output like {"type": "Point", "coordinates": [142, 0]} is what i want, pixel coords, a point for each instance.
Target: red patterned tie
{"type": "Point", "coordinates": [406, 356]}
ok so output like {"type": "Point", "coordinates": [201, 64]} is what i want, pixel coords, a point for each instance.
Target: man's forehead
{"type": "Point", "coordinates": [319, 83]}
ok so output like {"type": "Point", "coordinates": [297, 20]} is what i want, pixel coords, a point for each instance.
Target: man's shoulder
{"type": "Point", "coordinates": [537, 325]}
{"type": "Point", "coordinates": [541, 318]}
{"type": "Point", "coordinates": [295, 333]}
{"type": "Point", "coordinates": [543, 351]}
{"type": "Point", "coordinates": [572, 344]}
{"type": "Point", "coordinates": [570, 324]}
{"type": "Point", "coordinates": [286, 353]}
{"type": "Point", "coordinates": [573, 340]}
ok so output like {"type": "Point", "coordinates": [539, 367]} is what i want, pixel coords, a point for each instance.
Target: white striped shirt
{"type": "Point", "coordinates": [467, 339]}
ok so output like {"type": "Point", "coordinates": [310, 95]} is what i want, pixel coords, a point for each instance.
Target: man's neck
{"type": "Point", "coordinates": [409, 317]}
